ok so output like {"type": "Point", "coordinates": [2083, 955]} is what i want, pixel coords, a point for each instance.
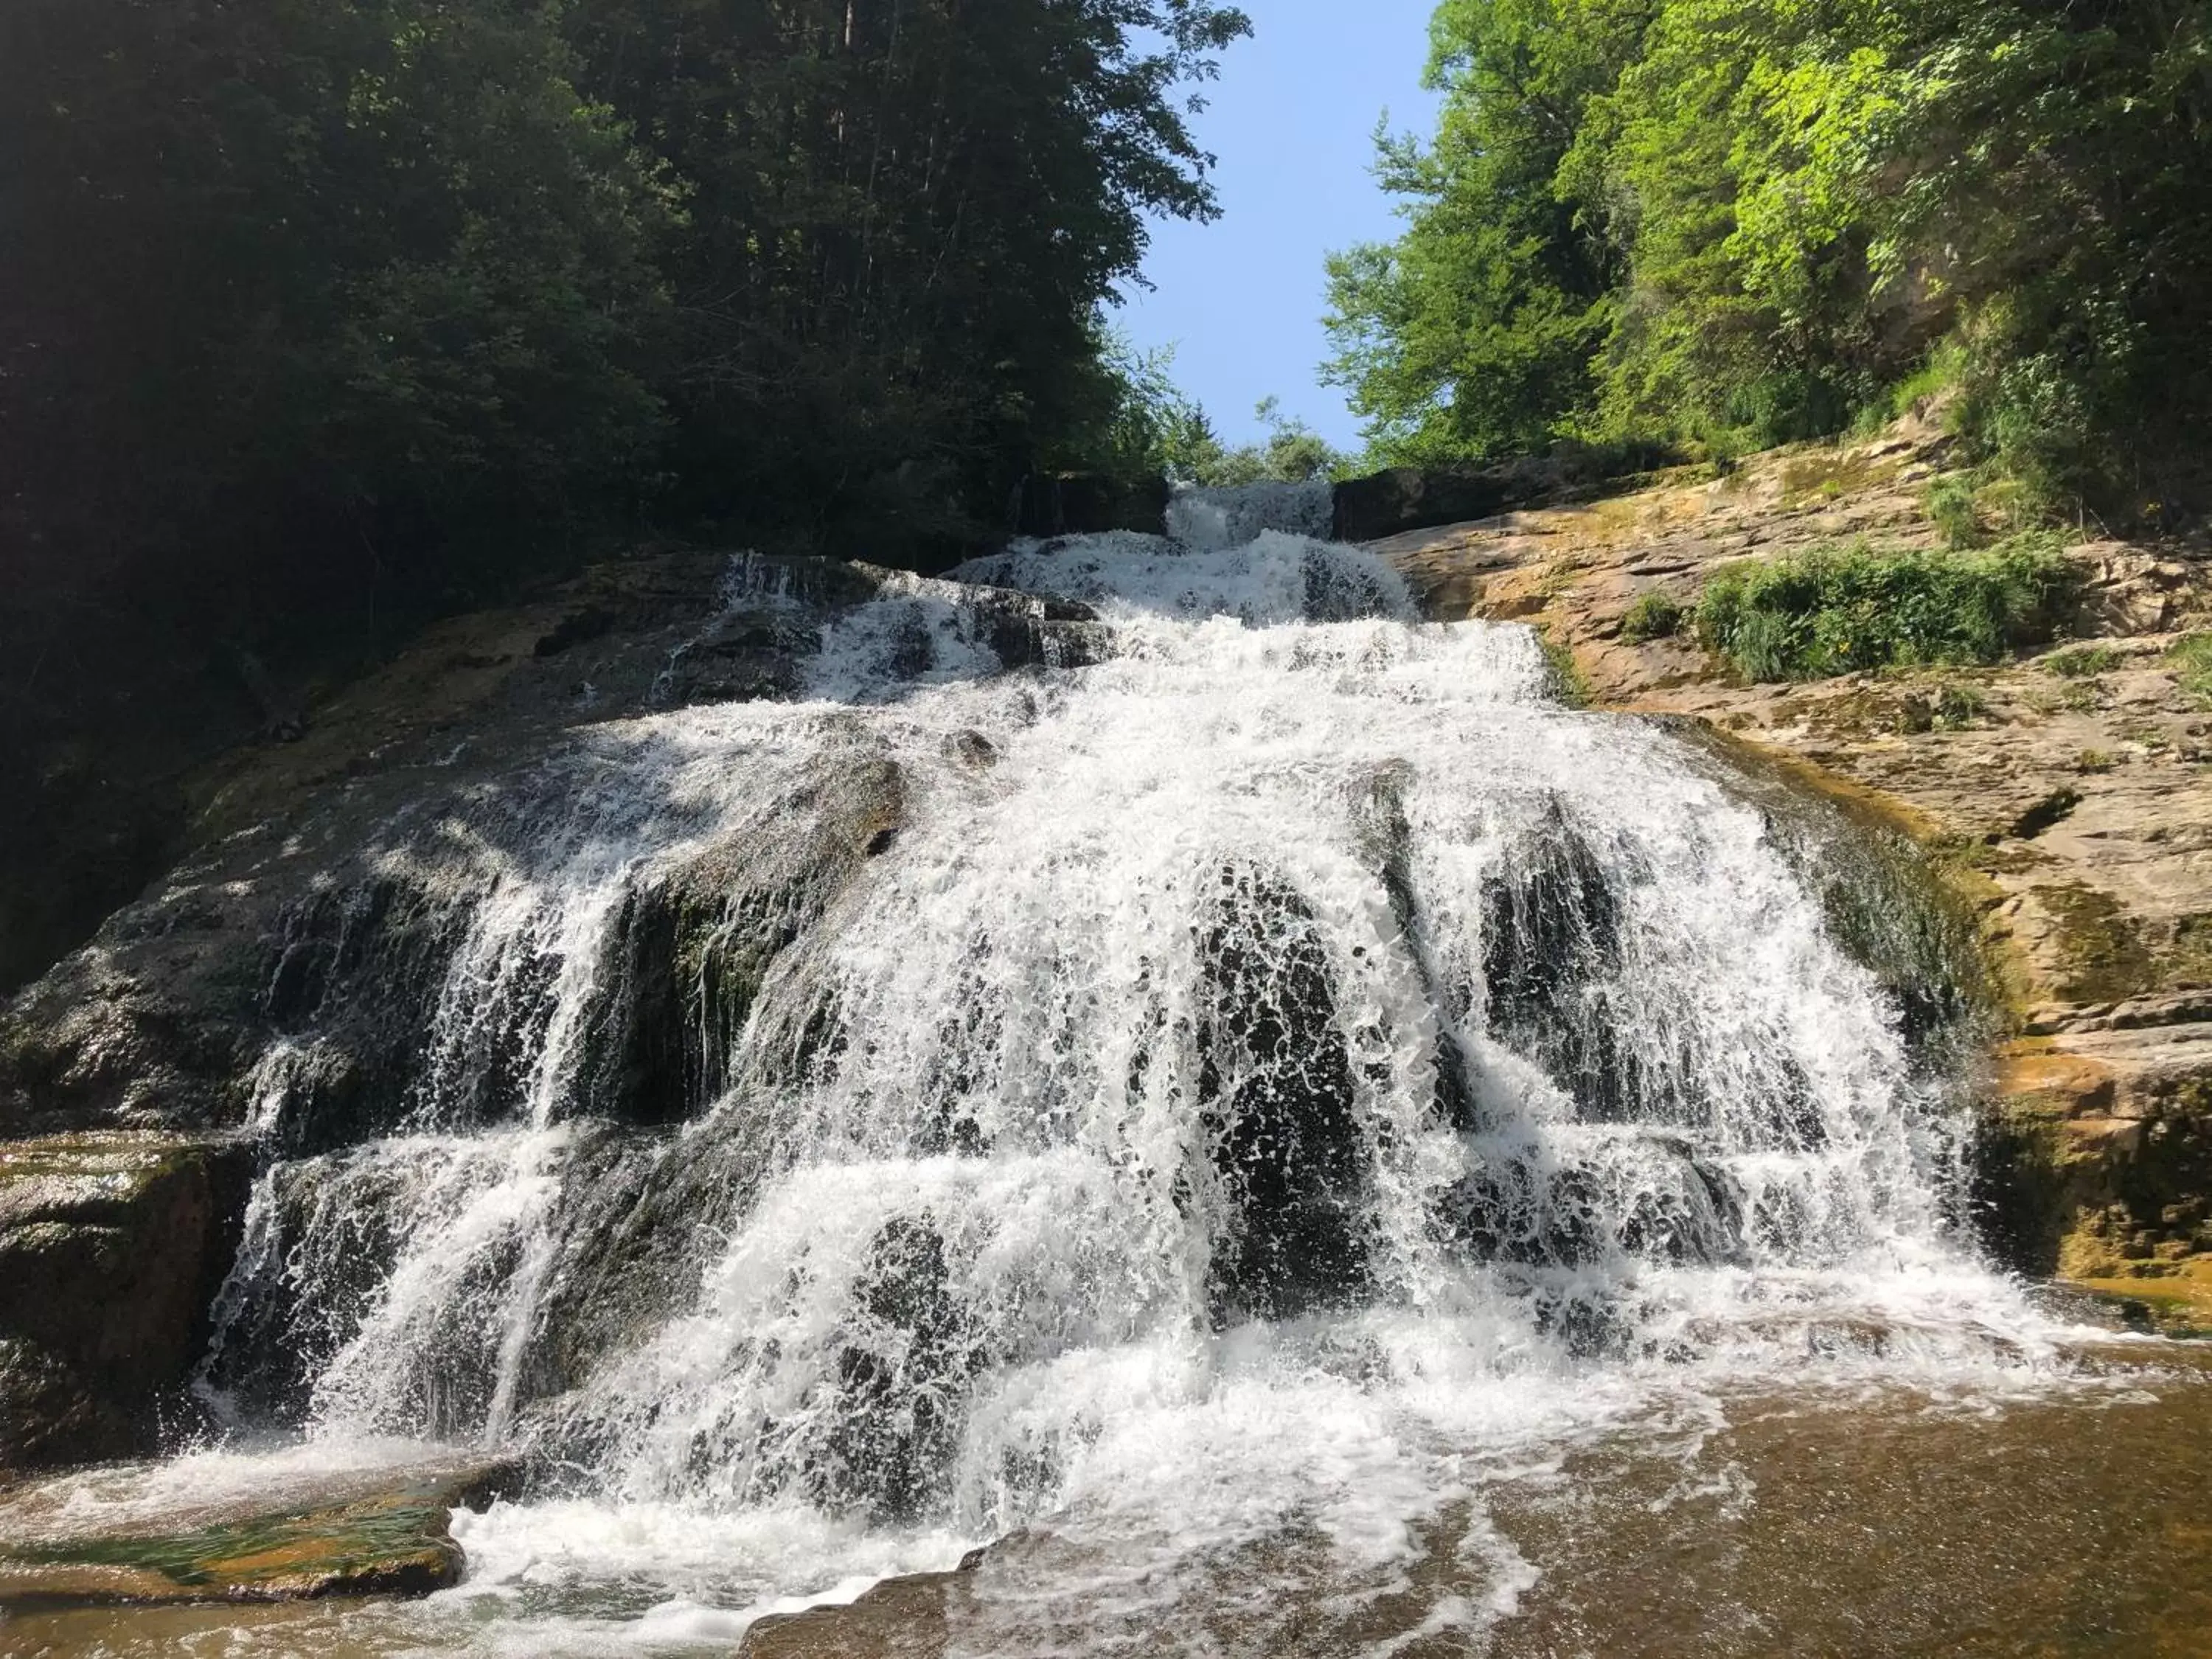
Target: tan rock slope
{"type": "Point", "coordinates": [2069, 794]}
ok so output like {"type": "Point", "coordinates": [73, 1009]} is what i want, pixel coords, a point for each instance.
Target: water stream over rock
{"type": "Point", "coordinates": [1151, 1047]}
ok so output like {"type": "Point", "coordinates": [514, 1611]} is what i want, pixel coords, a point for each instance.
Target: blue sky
{"type": "Point", "coordinates": [1290, 119]}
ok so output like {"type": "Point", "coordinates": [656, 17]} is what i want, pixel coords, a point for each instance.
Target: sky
{"type": "Point", "coordinates": [1291, 121]}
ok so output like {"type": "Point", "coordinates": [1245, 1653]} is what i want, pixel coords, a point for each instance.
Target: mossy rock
{"type": "Point", "coordinates": [398, 1542]}
{"type": "Point", "coordinates": [2178, 1305]}
{"type": "Point", "coordinates": [112, 1245]}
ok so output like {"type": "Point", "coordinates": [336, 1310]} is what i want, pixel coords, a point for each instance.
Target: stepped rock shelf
{"type": "Point", "coordinates": [2072, 812]}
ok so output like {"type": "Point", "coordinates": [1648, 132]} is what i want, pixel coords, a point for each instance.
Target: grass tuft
{"type": "Point", "coordinates": [1959, 705]}
{"type": "Point", "coordinates": [2082, 662]}
{"type": "Point", "coordinates": [1956, 515]}
{"type": "Point", "coordinates": [1657, 615]}
{"type": "Point", "coordinates": [2191, 659]}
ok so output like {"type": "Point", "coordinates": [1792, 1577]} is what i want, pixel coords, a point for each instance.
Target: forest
{"type": "Point", "coordinates": [1724, 224]}
{"type": "Point", "coordinates": [311, 301]}
{"type": "Point", "coordinates": [362, 304]}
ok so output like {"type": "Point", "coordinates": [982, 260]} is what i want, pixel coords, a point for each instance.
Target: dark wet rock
{"type": "Point", "coordinates": [1551, 955]}
{"type": "Point", "coordinates": [1087, 503]}
{"type": "Point", "coordinates": [330, 881]}
{"type": "Point", "coordinates": [365, 1534]}
{"type": "Point", "coordinates": [111, 1247]}
{"type": "Point", "coordinates": [1276, 1098]}
{"type": "Point", "coordinates": [901, 1383]}
{"type": "Point", "coordinates": [693, 946]}
{"type": "Point", "coordinates": [1022, 630]}
{"type": "Point", "coordinates": [1653, 1199]}
{"type": "Point", "coordinates": [578, 628]}
{"type": "Point", "coordinates": [1404, 498]}
{"type": "Point", "coordinates": [903, 1616]}
{"type": "Point", "coordinates": [1388, 839]}
{"type": "Point", "coordinates": [972, 750]}
{"type": "Point", "coordinates": [50, 1413]}
{"type": "Point", "coordinates": [1412, 498]}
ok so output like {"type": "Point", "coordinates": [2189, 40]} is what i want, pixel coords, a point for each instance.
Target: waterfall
{"type": "Point", "coordinates": [1190, 1085]}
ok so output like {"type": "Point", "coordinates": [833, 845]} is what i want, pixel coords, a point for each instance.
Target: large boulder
{"type": "Point", "coordinates": [112, 1247]}
{"type": "Point", "coordinates": [1403, 498]}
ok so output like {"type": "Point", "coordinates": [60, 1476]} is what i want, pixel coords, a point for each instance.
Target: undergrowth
{"type": "Point", "coordinates": [1842, 610]}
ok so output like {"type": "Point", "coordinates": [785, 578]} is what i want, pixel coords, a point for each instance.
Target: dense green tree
{"type": "Point", "coordinates": [285, 282]}
{"type": "Point", "coordinates": [1473, 334]}
{"type": "Point", "coordinates": [305, 296]}
{"type": "Point", "coordinates": [905, 215]}
{"type": "Point", "coordinates": [1746, 221]}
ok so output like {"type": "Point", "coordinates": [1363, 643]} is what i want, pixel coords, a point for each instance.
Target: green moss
{"type": "Point", "coordinates": [2180, 1309]}
{"type": "Point", "coordinates": [2020, 1192]}
{"type": "Point", "coordinates": [2104, 955]}
{"type": "Point", "coordinates": [399, 1541]}
{"type": "Point", "coordinates": [1844, 609]}
{"type": "Point", "coordinates": [1568, 683]}
{"type": "Point", "coordinates": [1830, 474]}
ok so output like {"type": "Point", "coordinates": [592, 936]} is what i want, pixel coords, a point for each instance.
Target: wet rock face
{"type": "Point", "coordinates": [691, 950]}
{"type": "Point", "coordinates": [1407, 498]}
{"type": "Point", "coordinates": [1275, 1085]}
{"type": "Point", "coordinates": [2071, 1176]}
{"type": "Point", "coordinates": [331, 879]}
{"type": "Point", "coordinates": [111, 1247]}
{"type": "Point", "coordinates": [1551, 951]}
{"type": "Point", "coordinates": [902, 1381]}
{"type": "Point", "coordinates": [1388, 844]}
{"type": "Point", "coordinates": [1653, 1198]}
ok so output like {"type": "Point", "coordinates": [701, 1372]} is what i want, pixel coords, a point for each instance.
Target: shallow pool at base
{"type": "Point", "coordinates": [1880, 1521]}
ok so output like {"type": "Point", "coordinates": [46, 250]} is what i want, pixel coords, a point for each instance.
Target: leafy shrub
{"type": "Point", "coordinates": [1839, 610]}
{"type": "Point", "coordinates": [1950, 505]}
{"type": "Point", "coordinates": [2082, 662]}
{"type": "Point", "coordinates": [1657, 615]}
{"type": "Point", "coordinates": [2191, 659]}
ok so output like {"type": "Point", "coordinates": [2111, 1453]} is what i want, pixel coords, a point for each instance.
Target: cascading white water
{"type": "Point", "coordinates": [1243, 1078]}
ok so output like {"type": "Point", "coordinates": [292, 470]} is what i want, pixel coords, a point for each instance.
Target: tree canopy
{"type": "Point", "coordinates": [1749, 221]}
{"type": "Point", "coordinates": [312, 294]}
